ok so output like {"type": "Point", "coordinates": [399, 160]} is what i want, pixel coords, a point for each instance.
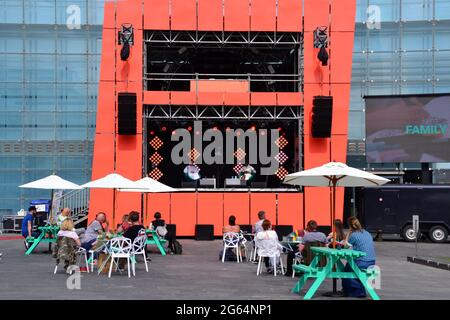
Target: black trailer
{"type": "Point", "coordinates": [389, 210]}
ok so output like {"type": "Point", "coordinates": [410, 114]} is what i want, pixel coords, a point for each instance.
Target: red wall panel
{"type": "Point", "coordinates": [105, 107]}
{"type": "Point", "coordinates": [108, 60]}
{"type": "Point", "coordinates": [210, 211]}
{"type": "Point", "coordinates": [183, 98]}
{"type": "Point", "coordinates": [211, 98]}
{"type": "Point", "coordinates": [263, 99]}
{"type": "Point", "coordinates": [317, 205]}
{"type": "Point", "coordinates": [341, 49]}
{"type": "Point", "coordinates": [210, 15]}
{"type": "Point", "coordinates": [317, 13]}
{"type": "Point", "coordinates": [237, 15]}
{"type": "Point", "coordinates": [263, 202]}
{"type": "Point", "coordinates": [157, 202]}
{"type": "Point", "coordinates": [184, 212]}
{"type": "Point", "coordinates": [184, 15]}
{"type": "Point", "coordinates": [263, 15]}
{"type": "Point", "coordinates": [289, 98]}
{"type": "Point", "coordinates": [237, 204]}
{"type": "Point", "coordinates": [236, 98]}
{"type": "Point", "coordinates": [129, 11]}
{"type": "Point", "coordinates": [109, 17]}
{"type": "Point", "coordinates": [290, 16]}
{"type": "Point", "coordinates": [341, 106]}
{"type": "Point", "coordinates": [343, 15]}
{"type": "Point", "coordinates": [290, 210]}
{"type": "Point", "coordinates": [156, 97]}
{"type": "Point", "coordinates": [156, 15]}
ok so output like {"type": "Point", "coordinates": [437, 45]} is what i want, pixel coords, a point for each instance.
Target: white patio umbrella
{"type": "Point", "coordinates": [113, 181]}
{"type": "Point", "coordinates": [52, 182]}
{"type": "Point", "coordinates": [151, 186]}
{"type": "Point", "coordinates": [334, 174]}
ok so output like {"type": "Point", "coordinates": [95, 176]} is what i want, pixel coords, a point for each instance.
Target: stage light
{"type": "Point", "coordinates": [321, 42]}
{"type": "Point", "coordinates": [281, 157]}
{"type": "Point", "coordinates": [156, 143]}
{"type": "Point", "coordinates": [281, 173]}
{"type": "Point", "coordinates": [253, 128]}
{"type": "Point", "coordinates": [164, 129]}
{"type": "Point", "coordinates": [237, 168]}
{"type": "Point", "coordinates": [156, 159]}
{"type": "Point", "coordinates": [182, 50]}
{"type": "Point", "coordinates": [281, 142]}
{"type": "Point", "coordinates": [155, 174]}
{"type": "Point", "coordinates": [197, 133]}
{"type": "Point", "coordinates": [189, 128]}
{"type": "Point", "coordinates": [126, 39]}
{"type": "Point", "coordinates": [240, 154]}
{"type": "Point", "coordinates": [152, 133]}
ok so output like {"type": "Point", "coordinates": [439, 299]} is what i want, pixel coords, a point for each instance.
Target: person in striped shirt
{"type": "Point", "coordinates": [360, 240]}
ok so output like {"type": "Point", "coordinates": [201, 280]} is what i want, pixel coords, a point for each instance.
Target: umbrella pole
{"type": "Point", "coordinates": [114, 209]}
{"type": "Point", "coordinates": [333, 229]}
{"type": "Point", "coordinates": [146, 210]}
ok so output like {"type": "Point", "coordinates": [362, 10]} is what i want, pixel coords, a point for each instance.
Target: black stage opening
{"type": "Point", "coordinates": [280, 136]}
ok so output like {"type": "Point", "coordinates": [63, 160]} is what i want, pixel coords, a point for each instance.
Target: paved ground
{"type": "Point", "coordinates": [198, 274]}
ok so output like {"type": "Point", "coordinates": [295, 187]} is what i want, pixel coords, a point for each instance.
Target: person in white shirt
{"type": "Point", "coordinates": [258, 225]}
{"type": "Point", "coordinates": [267, 234]}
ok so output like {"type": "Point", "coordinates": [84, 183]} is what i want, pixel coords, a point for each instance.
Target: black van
{"type": "Point", "coordinates": [389, 210]}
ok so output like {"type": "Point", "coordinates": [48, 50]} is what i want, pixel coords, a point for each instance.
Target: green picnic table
{"type": "Point", "coordinates": [155, 240]}
{"type": "Point", "coordinates": [51, 231]}
{"type": "Point", "coordinates": [333, 269]}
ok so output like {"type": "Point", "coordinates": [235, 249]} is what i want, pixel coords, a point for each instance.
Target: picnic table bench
{"type": "Point", "coordinates": [333, 269]}
{"type": "Point", "coordinates": [51, 231]}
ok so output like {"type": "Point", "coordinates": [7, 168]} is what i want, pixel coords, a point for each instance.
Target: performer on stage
{"type": "Point", "coordinates": [192, 172]}
{"type": "Point", "coordinates": [247, 173]}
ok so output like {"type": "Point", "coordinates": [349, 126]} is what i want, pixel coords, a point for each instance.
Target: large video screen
{"type": "Point", "coordinates": [413, 128]}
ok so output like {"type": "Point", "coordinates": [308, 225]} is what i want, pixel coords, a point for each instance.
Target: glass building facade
{"type": "Point", "coordinates": [50, 71]}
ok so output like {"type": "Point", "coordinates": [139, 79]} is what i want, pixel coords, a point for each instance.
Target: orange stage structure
{"type": "Point", "coordinates": [251, 19]}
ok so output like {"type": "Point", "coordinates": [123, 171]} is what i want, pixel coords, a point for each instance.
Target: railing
{"type": "Point", "coordinates": [255, 82]}
{"type": "Point", "coordinates": [78, 202]}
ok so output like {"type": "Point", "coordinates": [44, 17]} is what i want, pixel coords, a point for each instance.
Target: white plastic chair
{"type": "Point", "coordinates": [138, 248]}
{"type": "Point", "coordinates": [231, 241]}
{"type": "Point", "coordinates": [297, 260]}
{"type": "Point", "coordinates": [119, 247]}
{"type": "Point", "coordinates": [269, 248]}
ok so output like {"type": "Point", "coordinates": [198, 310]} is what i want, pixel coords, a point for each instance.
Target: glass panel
{"type": "Point", "coordinates": [40, 39]}
{"type": "Point", "coordinates": [413, 10]}
{"type": "Point", "coordinates": [442, 65]}
{"type": "Point", "coordinates": [356, 125]}
{"type": "Point", "coordinates": [11, 11]}
{"type": "Point", "coordinates": [417, 65]}
{"type": "Point", "coordinates": [10, 162]}
{"type": "Point", "coordinates": [385, 39]}
{"type": "Point", "coordinates": [72, 68]}
{"type": "Point", "coordinates": [416, 87]}
{"type": "Point", "coordinates": [72, 97]}
{"type": "Point", "coordinates": [72, 41]}
{"type": "Point", "coordinates": [38, 162]}
{"type": "Point", "coordinates": [40, 97]}
{"type": "Point", "coordinates": [71, 12]}
{"type": "Point", "coordinates": [442, 9]}
{"type": "Point", "coordinates": [39, 11]}
{"type": "Point", "coordinates": [11, 68]}
{"type": "Point", "coordinates": [11, 97]}
{"type": "Point", "coordinates": [39, 68]}
{"type": "Point", "coordinates": [383, 67]}
{"type": "Point", "coordinates": [417, 37]}
{"type": "Point", "coordinates": [390, 9]}
{"type": "Point", "coordinates": [10, 40]}
{"type": "Point", "coordinates": [442, 35]}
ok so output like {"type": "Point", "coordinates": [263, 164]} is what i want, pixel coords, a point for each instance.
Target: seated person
{"type": "Point", "coordinates": [267, 234]}
{"type": "Point", "coordinates": [231, 227]}
{"type": "Point", "coordinates": [65, 214]}
{"type": "Point", "coordinates": [310, 235]}
{"type": "Point", "coordinates": [67, 244]}
{"type": "Point", "coordinates": [159, 225]}
{"type": "Point", "coordinates": [94, 230]}
{"type": "Point", "coordinates": [360, 240]}
{"type": "Point", "coordinates": [124, 225]}
{"type": "Point", "coordinates": [340, 234]}
{"type": "Point", "coordinates": [27, 224]}
{"type": "Point", "coordinates": [135, 227]}
{"type": "Point", "coordinates": [258, 225]}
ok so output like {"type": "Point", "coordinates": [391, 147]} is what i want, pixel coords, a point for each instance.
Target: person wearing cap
{"type": "Point", "coordinates": [27, 224]}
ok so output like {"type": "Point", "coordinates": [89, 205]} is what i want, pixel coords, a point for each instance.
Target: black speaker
{"type": "Point", "coordinates": [204, 232]}
{"type": "Point", "coordinates": [248, 228]}
{"type": "Point", "coordinates": [324, 229]}
{"type": "Point", "coordinates": [127, 113]}
{"type": "Point", "coordinates": [172, 229]}
{"type": "Point", "coordinates": [322, 117]}
{"type": "Point", "coordinates": [283, 231]}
